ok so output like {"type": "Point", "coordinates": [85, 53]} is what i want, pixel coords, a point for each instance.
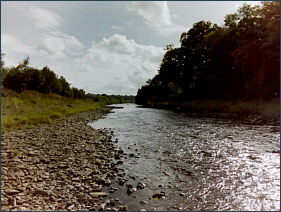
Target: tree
{"type": "Point", "coordinates": [15, 78]}
{"type": "Point", "coordinates": [260, 47]}
{"type": "Point", "coordinates": [50, 82]}
{"type": "Point", "coordinates": [4, 70]}
{"type": "Point", "coordinates": [65, 91]}
{"type": "Point", "coordinates": [194, 57]}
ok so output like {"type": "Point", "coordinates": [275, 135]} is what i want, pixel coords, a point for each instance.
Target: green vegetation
{"type": "Point", "coordinates": [31, 108]}
{"type": "Point", "coordinates": [30, 96]}
{"type": "Point", "coordinates": [45, 81]}
{"type": "Point", "coordinates": [261, 107]}
{"type": "Point", "coordinates": [233, 68]}
{"type": "Point", "coordinates": [111, 99]}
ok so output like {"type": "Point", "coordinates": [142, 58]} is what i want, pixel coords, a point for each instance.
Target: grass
{"type": "Point", "coordinates": [32, 108]}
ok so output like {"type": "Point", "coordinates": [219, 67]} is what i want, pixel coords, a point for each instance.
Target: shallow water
{"type": "Point", "coordinates": [201, 163]}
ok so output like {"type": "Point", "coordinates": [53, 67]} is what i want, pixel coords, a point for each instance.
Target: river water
{"type": "Point", "coordinates": [201, 163]}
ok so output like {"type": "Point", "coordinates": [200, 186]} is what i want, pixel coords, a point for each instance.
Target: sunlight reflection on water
{"type": "Point", "coordinates": [219, 164]}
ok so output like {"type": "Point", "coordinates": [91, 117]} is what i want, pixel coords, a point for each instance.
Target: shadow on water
{"type": "Point", "coordinates": [200, 163]}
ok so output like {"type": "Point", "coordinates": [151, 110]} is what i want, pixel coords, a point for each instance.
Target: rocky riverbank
{"type": "Point", "coordinates": [62, 166]}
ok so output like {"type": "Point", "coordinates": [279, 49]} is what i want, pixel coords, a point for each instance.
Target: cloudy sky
{"type": "Point", "coordinates": [110, 47]}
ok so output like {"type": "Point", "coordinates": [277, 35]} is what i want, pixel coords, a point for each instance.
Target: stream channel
{"type": "Point", "coordinates": [200, 162]}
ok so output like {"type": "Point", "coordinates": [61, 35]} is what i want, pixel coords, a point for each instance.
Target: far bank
{"type": "Point", "coordinates": [263, 111]}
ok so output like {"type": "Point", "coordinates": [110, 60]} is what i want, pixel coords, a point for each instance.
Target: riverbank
{"type": "Point", "coordinates": [60, 166]}
{"type": "Point", "coordinates": [258, 111]}
{"type": "Point", "coordinates": [31, 108]}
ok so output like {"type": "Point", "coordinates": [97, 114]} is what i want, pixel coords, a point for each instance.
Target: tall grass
{"type": "Point", "coordinates": [32, 108]}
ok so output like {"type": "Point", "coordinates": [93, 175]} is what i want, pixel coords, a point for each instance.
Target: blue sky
{"type": "Point", "coordinates": [110, 47]}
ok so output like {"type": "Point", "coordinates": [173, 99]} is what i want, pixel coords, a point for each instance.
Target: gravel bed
{"type": "Point", "coordinates": [59, 167]}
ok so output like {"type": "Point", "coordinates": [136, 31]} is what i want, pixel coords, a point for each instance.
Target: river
{"type": "Point", "coordinates": [201, 163]}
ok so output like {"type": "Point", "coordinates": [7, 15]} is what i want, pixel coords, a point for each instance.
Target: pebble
{"type": "Point", "coordinates": [41, 192]}
{"type": "Point", "coordinates": [61, 166]}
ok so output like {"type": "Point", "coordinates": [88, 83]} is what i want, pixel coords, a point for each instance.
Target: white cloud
{"type": "Point", "coordinates": [122, 63]}
{"type": "Point", "coordinates": [156, 14]}
{"type": "Point", "coordinates": [10, 43]}
{"type": "Point", "coordinates": [44, 18]}
{"type": "Point", "coordinates": [118, 28]}
{"type": "Point", "coordinates": [58, 44]}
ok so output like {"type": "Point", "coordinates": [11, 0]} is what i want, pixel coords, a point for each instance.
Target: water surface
{"type": "Point", "coordinates": [201, 163]}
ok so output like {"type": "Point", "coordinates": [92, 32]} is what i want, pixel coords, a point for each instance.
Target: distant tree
{"type": "Point", "coordinates": [15, 78]}
{"type": "Point", "coordinates": [50, 82]}
{"type": "Point", "coordinates": [4, 70]}
{"type": "Point", "coordinates": [66, 90]}
{"type": "Point", "coordinates": [33, 79]}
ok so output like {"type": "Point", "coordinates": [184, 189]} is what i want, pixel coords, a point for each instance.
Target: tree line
{"type": "Point", "coordinates": [239, 60]}
{"type": "Point", "coordinates": [24, 77]}
{"type": "Point", "coordinates": [43, 80]}
{"type": "Point", "coordinates": [111, 99]}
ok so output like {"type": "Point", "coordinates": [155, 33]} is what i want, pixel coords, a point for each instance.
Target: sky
{"type": "Point", "coordinates": [102, 47]}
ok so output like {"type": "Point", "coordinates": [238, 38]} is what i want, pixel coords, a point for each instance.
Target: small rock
{"type": "Point", "coordinates": [23, 209]}
{"type": "Point", "coordinates": [83, 197]}
{"type": "Point", "coordinates": [22, 189]}
{"type": "Point", "coordinates": [140, 186]}
{"type": "Point", "coordinates": [53, 199]}
{"type": "Point", "coordinates": [100, 181]}
{"type": "Point", "coordinates": [113, 202]}
{"type": "Point", "coordinates": [41, 192]}
{"type": "Point", "coordinates": [131, 190]}
{"type": "Point", "coordinates": [158, 195]}
{"type": "Point", "coordinates": [129, 185]}
{"type": "Point", "coordinates": [107, 182]}
{"type": "Point", "coordinates": [123, 208]}
{"type": "Point", "coordinates": [143, 202]}
{"type": "Point", "coordinates": [70, 207]}
{"type": "Point", "coordinates": [75, 179]}
{"type": "Point", "coordinates": [101, 207]}
{"type": "Point", "coordinates": [63, 165]}
{"type": "Point", "coordinates": [121, 181]}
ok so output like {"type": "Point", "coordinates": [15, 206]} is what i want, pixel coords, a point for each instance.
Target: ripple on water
{"type": "Point", "coordinates": [214, 163]}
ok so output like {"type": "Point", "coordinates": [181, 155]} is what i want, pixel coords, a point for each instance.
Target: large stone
{"type": "Point", "coordinates": [11, 191]}
{"type": "Point", "coordinates": [98, 194]}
